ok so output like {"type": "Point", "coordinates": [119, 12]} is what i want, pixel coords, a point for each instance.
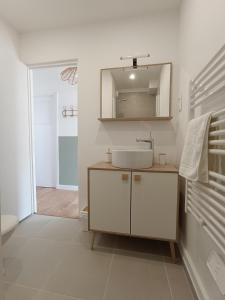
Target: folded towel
{"type": "Point", "coordinates": [194, 159]}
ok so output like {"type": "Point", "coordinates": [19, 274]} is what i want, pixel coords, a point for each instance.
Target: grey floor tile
{"type": "Point", "coordinates": [147, 247]}
{"type": "Point", "coordinates": [43, 295]}
{"type": "Point", "coordinates": [31, 226]}
{"type": "Point", "coordinates": [70, 230]}
{"type": "Point", "coordinates": [60, 230]}
{"type": "Point", "coordinates": [34, 263]}
{"type": "Point", "coordinates": [54, 254]}
{"type": "Point", "coordinates": [102, 240]}
{"type": "Point", "coordinates": [82, 238]}
{"type": "Point", "coordinates": [15, 292]}
{"type": "Point", "coordinates": [83, 274]}
{"type": "Point", "coordinates": [134, 278]}
{"type": "Point", "coordinates": [180, 286]}
{"type": "Point", "coordinates": [12, 246]}
{"type": "Point", "coordinates": [107, 241]}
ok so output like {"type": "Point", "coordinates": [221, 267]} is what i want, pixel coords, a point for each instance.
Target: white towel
{"type": "Point", "coordinates": [194, 159]}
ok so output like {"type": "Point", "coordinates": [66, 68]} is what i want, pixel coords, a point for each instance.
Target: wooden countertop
{"type": "Point", "coordinates": [154, 168]}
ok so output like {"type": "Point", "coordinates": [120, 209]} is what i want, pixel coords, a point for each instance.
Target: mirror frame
{"type": "Point", "coordinates": [137, 119]}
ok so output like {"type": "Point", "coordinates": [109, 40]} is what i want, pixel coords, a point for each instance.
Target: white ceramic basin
{"type": "Point", "coordinates": [132, 158]}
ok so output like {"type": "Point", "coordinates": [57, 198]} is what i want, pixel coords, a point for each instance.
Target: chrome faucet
{"type": "Point", "coordinates": [150, 141]}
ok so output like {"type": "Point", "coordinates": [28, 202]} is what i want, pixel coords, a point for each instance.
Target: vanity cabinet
{"type": "Point", "coordinates": [154, 205]}
{"type": "Point", "coordinates": [109, 201]}
{"type": "Point", "coordinates": [141, 203]}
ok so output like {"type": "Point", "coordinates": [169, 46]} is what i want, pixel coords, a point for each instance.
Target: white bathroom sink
{"type": "Point", "coordinates": [132, 158]}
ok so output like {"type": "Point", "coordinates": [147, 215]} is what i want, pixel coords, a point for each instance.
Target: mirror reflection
{"type": "Point", "coordinates": [136, 93]}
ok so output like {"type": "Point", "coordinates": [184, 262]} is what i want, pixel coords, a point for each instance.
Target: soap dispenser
{"type": "Point", "coordinates": [108, 156]}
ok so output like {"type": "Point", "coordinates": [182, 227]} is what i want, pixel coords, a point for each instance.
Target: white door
{"type": "Point", "coordinates": [154, 205]}
{"type": "Point", "coordinates": [109, 201]}
{"type": "Point", "coordinates": [45, 140]}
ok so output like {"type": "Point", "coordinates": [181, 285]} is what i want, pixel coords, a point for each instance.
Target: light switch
{"type": "Point", "coordinates": [217, 268]}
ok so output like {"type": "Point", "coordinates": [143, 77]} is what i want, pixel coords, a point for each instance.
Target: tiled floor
{"type": "Point", "coordinates": [49, 258]}
{"type": "Point", "coordinates": [58, 203]}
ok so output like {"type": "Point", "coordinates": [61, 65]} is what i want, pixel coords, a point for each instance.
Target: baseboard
{"type": "Point", "coordinates": [67, 187]}
{"type": "Point", "coordinates": [193, 274]}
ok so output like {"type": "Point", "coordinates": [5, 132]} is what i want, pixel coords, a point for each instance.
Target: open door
{"type": "Point", "coordinates": [45, 128]}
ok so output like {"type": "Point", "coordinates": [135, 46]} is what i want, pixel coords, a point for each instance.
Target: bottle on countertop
{"type": "Point", "coordinates": [109, 156]}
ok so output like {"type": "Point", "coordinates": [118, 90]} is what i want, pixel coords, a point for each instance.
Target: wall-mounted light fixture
{"type": "Point", "coordinates": [134, 58]}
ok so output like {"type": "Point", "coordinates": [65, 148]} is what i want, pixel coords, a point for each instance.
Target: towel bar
{"type": "Point", "coordinates": [206, 202]}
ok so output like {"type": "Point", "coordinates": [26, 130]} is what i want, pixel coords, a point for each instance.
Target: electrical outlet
{"type": "Point", "coordinates": [217, 268]}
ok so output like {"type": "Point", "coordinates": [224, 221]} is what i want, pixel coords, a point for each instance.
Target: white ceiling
{"type": "Point", "coordinates": [32, 15]}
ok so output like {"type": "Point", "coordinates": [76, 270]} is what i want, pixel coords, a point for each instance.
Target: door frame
{"type": "Point", "coordinates": [30, 68]}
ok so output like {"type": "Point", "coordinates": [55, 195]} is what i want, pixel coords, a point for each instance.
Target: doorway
{"type": "Point", "coordinates": [54, 139]}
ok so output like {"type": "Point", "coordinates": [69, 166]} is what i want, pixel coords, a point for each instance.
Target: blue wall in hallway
{"type": "Point", "coordinates": [68, 160]}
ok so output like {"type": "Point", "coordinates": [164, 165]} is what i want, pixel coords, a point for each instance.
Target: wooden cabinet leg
{"type": "Point", "coordinates": [173, 251]}
{"type": "Point", "coordinates": [93, 240]}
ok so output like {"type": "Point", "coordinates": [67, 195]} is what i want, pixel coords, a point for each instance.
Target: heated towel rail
{"type": "Point", "coordinates": [206, 202]}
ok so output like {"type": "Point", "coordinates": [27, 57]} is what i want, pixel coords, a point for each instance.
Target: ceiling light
{"type": "Point", "coordinates": [132, 76]}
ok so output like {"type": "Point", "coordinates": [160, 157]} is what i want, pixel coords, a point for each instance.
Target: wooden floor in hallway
{"type": "Point", "coordinates": [59, 203]}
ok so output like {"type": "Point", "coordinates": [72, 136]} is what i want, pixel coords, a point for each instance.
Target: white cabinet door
{"type": "Point", "coordinates": [109, 201]}
{"type": "Point", "coordinates": [154, 205]}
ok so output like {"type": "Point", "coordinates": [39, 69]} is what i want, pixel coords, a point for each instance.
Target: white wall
{"type": "Point", "coordinates": [100, 46]}
{"type": "Point", "coordinates": [14, 146]}
{"type": "Point", "coordinates": [47, 81]}
{"type": "Point", "coordinates": [202, 27]}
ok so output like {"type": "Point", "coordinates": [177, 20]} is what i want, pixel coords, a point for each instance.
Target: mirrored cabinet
{"type": "Point", "coordinates": [136, 94]}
